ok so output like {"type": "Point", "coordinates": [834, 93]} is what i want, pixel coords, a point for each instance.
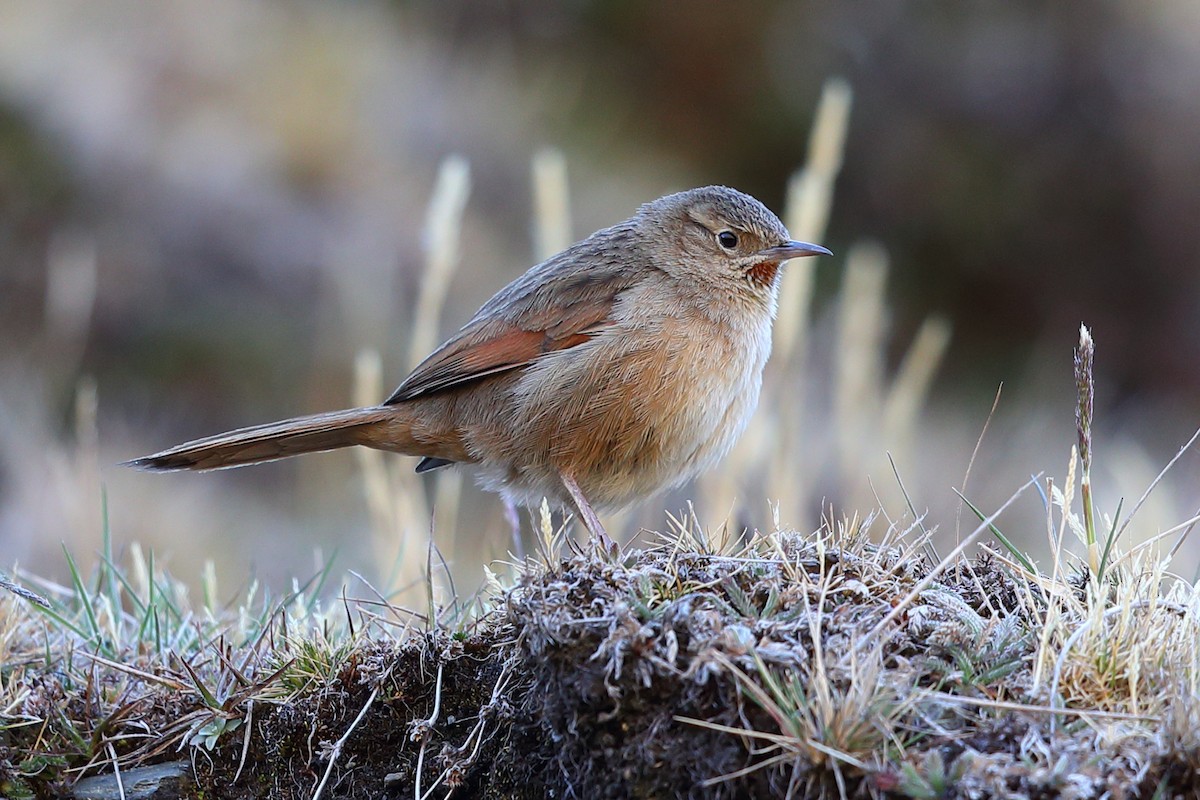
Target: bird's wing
{"type": "Point", "coordinates": [554, 306]}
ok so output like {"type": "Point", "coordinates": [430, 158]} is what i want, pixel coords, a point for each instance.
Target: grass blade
{"type": "Point", "coordinates": [1017, 554]}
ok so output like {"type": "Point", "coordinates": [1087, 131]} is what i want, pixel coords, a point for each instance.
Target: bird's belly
{"type": "Point", "coordinates": [631, 416]}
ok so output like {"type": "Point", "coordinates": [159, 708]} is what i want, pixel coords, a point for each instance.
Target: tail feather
{"type": "Point", "coordinates": [269, 442]}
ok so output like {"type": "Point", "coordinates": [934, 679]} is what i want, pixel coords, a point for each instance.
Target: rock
{"type": "Point", "coordinates": [170, 781]}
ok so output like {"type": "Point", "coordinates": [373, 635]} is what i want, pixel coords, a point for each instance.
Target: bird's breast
{"type": "Point", "coordinates": [644, 407]}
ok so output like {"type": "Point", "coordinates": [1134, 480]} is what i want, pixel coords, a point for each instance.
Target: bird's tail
{"type": "Point", "coordinates": [269, 442]}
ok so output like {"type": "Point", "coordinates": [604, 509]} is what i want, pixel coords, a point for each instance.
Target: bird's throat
{"type": "Point", "coordinates": [764, 274]}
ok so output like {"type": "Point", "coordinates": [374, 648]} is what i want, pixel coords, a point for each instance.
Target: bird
{"type": "Point", "coordinates": [618, 368]}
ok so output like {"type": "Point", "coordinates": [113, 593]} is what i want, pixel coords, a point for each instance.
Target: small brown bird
{"type": "Point", "coordinates": [624, 365]}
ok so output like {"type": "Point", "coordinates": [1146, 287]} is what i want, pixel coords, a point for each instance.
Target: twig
{"type": "Point", "coordinates": [137, 673]}
{"type": "Point", "coordinates": [477, 732]}
{"type": "Point", "coordinates": [112, 753]}
{"type": "Point", "coordinates": [428, 723]}
{"type": "Point", "coordinates": [337, 746]}
{"type": "Point", "coordinates": [1156, 481]}
{"type": "Point", "coordinates": [1179, 542]}
{"type": "Point", "coordinates": [22, 592]}
{"type": "Point", "coordinates": [919, 519]}
{"type": "Point", "coordinates": [1003, 705]}
{"type": "Point", "coordinates": [245, 738]}
{"type": "Point", "coordinates": [971, 461]}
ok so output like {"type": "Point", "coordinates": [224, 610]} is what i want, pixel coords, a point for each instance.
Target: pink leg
{"type": "Point", "coordinates": [587, 513]}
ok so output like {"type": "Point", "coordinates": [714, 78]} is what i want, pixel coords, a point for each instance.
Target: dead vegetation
{"type": "Point", "coordinates": [840, 663]}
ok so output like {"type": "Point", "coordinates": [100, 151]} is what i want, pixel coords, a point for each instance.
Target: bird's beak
{"type": "Point", "coordinates": [788, 250]}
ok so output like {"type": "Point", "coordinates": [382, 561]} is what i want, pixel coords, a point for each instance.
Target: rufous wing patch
{"type": "Point", "coordinates": [470, 358]}
{"type": "Point", "coordinates": [561, 314]}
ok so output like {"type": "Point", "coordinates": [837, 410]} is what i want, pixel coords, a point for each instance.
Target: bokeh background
{"type": "Point", "coordinates": [209, 209]}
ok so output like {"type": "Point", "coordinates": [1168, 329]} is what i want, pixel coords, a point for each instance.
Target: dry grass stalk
{"type": "Point", "coordinates": [910, 388]}
{"type": "Point", "coordinates": [86, 497]}
{"type": "Point", "coordinates": [443, 230]}
{"type": "Point", "coordinates": [1086, 387]}
{"type": "Point", "coordinates": [810, 198]}
{"type": "Point", "coordinates": [767, 450]}
{"type": "Point", "coordinates": [71, 284]}
{"type": "Point", "coordinates": [396, 496]}
{"type": "Point", "coordinates": [551, 204]}
{"type": "Point", "coordinates": [858, 371]}
{"type": "Point", "coordinates": [395, 502]}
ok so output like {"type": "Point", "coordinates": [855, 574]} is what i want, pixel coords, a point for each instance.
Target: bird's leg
{"type": "Point", "coordinates": [514, 522]}
{"type": "Point", "coordinates": [587, 513]}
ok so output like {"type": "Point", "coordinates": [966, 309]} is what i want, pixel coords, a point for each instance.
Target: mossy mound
{"type": "Point", "coordinates": [788, 665]}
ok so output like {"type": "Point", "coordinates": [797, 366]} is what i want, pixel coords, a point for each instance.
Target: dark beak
{"type": "Point", "coordinates": [788, 250]}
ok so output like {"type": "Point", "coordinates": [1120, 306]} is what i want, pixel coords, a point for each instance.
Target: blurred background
{"type": "Point", "coordinates": [209, 210]}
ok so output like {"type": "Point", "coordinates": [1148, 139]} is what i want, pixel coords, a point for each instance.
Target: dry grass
{"type": "Point", "coordinates": [841, 662]}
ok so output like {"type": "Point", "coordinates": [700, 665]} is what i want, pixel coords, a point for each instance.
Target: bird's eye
{"type": "Point", "coordinates": [727, 239]}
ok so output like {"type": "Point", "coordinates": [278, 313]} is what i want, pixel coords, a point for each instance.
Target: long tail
{"type": "Point", "coordinates": [269, 442]}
